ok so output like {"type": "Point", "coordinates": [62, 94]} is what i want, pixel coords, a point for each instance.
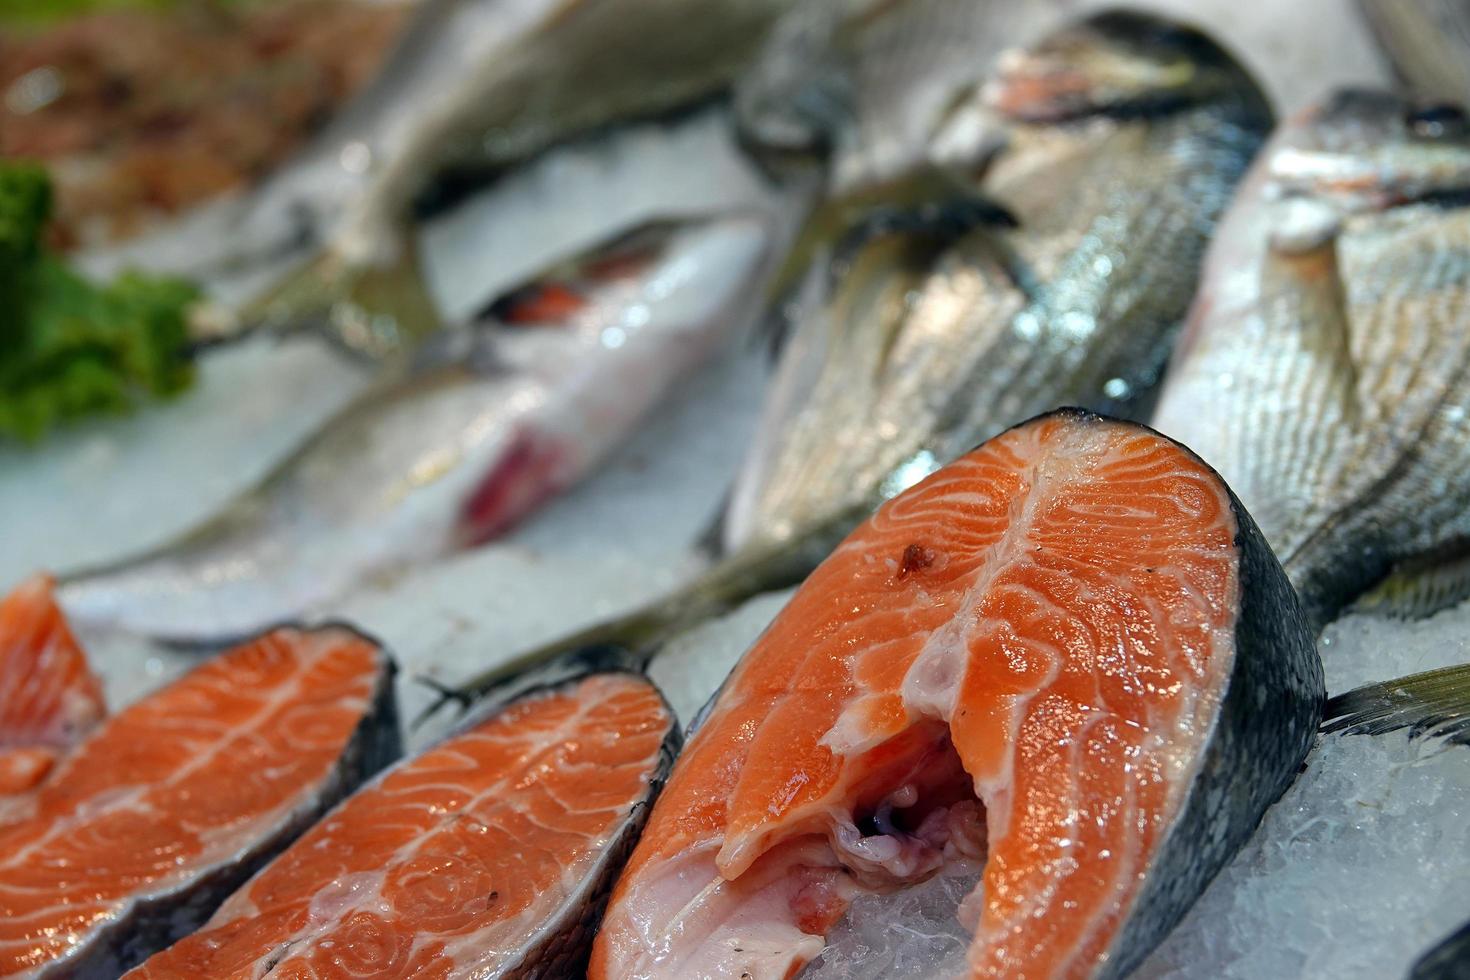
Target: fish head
{"type": "Point", "coordinates": [1371, 150]}
{"type": "Point", "coordinates": [1113, 63]}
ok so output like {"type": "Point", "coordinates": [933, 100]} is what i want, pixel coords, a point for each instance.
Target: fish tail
{"type": "Point", "coordinates": [636, 638]}
{"type": "Point", "coordinates": [1434, 704]}
{"type": "Point", "coordinates": [1422, 586]}
{"type": "Point", "coordinates": [378, 311]}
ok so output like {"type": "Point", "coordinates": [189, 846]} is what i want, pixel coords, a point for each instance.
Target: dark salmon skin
{"type": "Point", "coordinates": [1067, 658]}
{"type": "Point", "coordinates": [170, 804]}
{"type": "Point", "coordinates": [489, 855]}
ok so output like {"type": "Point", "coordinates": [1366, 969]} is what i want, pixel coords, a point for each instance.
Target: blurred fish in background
{"type": "Point", "coordinates": [1054, 267]}
{"type": "Point", "coordinates": [474, 87]}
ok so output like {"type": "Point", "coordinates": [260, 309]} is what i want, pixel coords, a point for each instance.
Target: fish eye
{"type": "Point", "coordinates": [1438, 121]}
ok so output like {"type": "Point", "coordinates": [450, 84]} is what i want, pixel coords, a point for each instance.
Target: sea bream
{"type": "Point", "coordinates": [489, 855]}
{"type": "Point", "coordinates": [1115, 146]}
{"type": "Point", "coordinates": [1068, 658]}
{"type": "Point", "coordinates": [474, 84]}
{"type": "Point", "coordinates": [558, 370]}
{"type": "Point", "coordinates": [172, 802]}
{"type": "Point", "coordinates": [1326, 369]}
{"type": "Point", "coordinates": [1056, 269]}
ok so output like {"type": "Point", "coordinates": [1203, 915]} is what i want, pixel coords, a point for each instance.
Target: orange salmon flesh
{"type": "Point", "coordinates": [1018, 664]}
{"type": "Point", "coordinates": [176, 789]}
{"type": "Point", "coordinates": [457, 863]}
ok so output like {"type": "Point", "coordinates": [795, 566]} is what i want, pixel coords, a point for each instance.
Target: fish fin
{"type": "Point", "coordinates": [711, 540]}
{"type": "Point", "coordinates": [1434, 704]}
{"type": "Point", "coordinates": [927, 200]}
{"type": "Point", "coordinates": [638, 636]}
{"type": "Point", "coordinates": [1446, 959]}
{"type": "Point", "coordinates": [1303, 297]}
{"type": "Point", "coordinates": [376, 312]}
{"type": "Point", "coordinates": [1422, 586]}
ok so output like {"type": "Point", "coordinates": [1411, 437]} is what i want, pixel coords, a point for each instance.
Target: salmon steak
{"type": "Point", "coordinates": [489, 855]}
{"type": "Point", "coordinates": [49, 697]}
{"type": "Point", "coordinates": [1067, 660]}
{"type": "Point", "coordinates": [172, 803]}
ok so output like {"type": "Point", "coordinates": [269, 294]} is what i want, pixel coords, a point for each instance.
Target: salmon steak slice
{"type": "Point", "coordinates": [170, 804]}
{"type": "Point", "coordinates": [489, 855]}
{"type": "Point", "coordinates": [49, 697]}
{"type": "Point", "coordinates": [1068, 659]}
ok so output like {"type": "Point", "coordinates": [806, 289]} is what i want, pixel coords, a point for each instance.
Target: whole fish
{"type": "Point", "coordinates": [480, 84]}
{"type": "Point", "coordinates": [490, 855]}
{"type": "Point", "coordinates": [1427, 44]}
{"type": "Point", "coordinates": [1325, 370]}
{"type": "Point", "coordinates": [1059, 274]}
{"type": "Point", "coordinates": [174, 801]}
{"type": "Point", "coordinates": [562, 368]}
{"type": "Point", "coordinates": [1068, 660]}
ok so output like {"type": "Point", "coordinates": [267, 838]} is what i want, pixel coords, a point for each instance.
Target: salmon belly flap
{"type": "Point", "coordinates": [488, 855]}
{"type": "Point", "coordinates": [1068, 659]}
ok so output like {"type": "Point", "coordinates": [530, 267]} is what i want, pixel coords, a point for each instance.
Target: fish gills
{"type": "Point", "coordinates": [489, 855]}
{"type": "Point", "coordinates": [1069, 655]}
{"type": "Point", "coordinates": [49, 697]}
{"type": "Point", "coordinates": [175, 800]}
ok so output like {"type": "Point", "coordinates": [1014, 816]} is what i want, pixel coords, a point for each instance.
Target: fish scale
{"type": "Point", "coordinates": [1337, 411]}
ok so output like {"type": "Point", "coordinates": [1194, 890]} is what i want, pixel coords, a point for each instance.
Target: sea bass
{"type": "Point", "coordinates": [1059, 274]}
{"type": "Point", "coordinates": [483, 84]}
{"type": "Point", "coordinates": [175, 800]}
{"type": "Point", "coordinates": [562, 367]}
{"type": "Point", "coordinates": [49, 698]}
{"type": "Point", "coordinates": [1325, 369]}
{"type": "Point", "coordinates": [489, 855]}
{"type": "Point", "coordinates": [1068, 658]}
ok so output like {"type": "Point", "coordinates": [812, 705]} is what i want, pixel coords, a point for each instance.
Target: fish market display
{"type": "Point", "coordinates": [567, 364]}
{"type": "Point", "coordinates": [490, 855]}
{"type": "Point", "coordinates": [478, 84]}
{"type": "Point", "coordinates": [1068, 658]}
{"type": "Point", "coordinates": [172, 802]}
{"type": "Point", "coordinates": [49, 697]}
{"type": "Point", "coordinates": [1426, 42]}
{"type": "Point", "coordinates": [1326, 369]}
{"type": "Point", "coordinates": [1116, 143]}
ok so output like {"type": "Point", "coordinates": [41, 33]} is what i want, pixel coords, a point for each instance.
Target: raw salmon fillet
{"type": "Point", "coordinates": [489, 855]}
{"type": "Point", "coordinates": [172, 802]}
{"type": "Point", "coordinates": [49, 697]}
{"type": "Point", "coordinates": [1067, 657]}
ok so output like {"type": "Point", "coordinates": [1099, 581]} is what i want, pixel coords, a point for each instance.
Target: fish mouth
{"type": "Point", "coordinates": [1373, 150]}
{"type": "Point", "coordinates": [1116, 63]}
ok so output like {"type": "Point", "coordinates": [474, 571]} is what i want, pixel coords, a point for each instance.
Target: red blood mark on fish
{"type": "Point", "coordinates": [546, 304]}
{"type": "Point", "coordinates": [915, 559]}
{"type": "Point", "coordinates": [527, 473]}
